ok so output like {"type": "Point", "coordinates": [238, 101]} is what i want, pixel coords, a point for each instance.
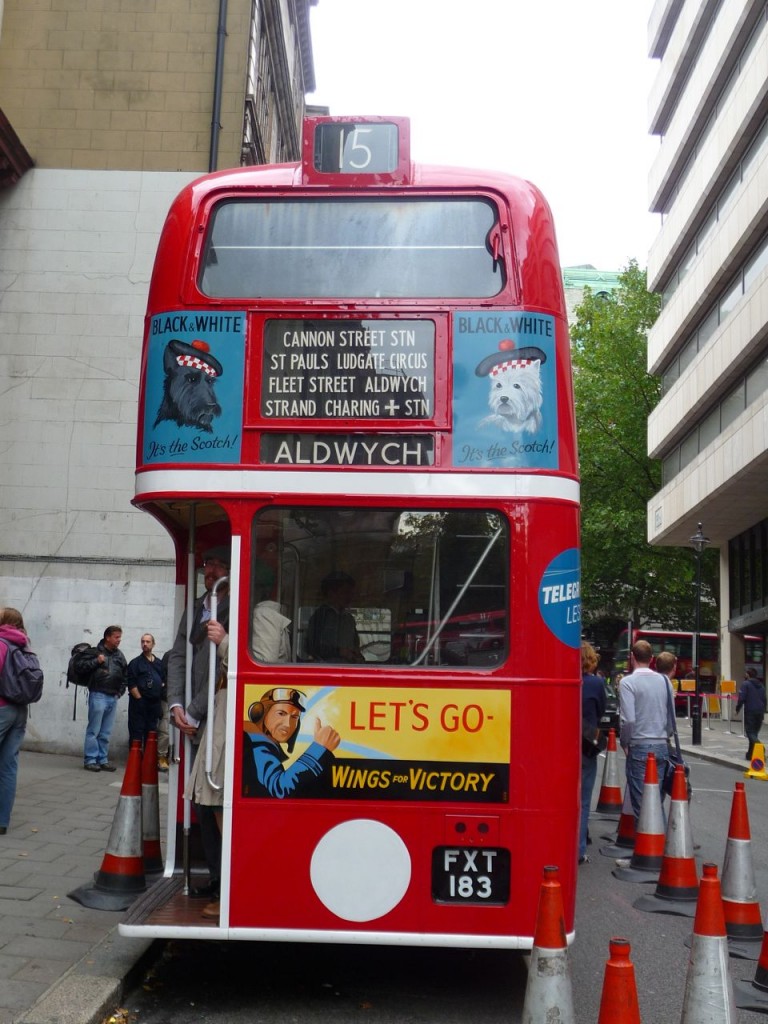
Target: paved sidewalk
{"type": "Point", "coordinates": [61, 963]}
{"type": "Point", "coordinates": [721, 742]}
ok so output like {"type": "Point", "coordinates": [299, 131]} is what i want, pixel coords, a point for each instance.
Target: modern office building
{"type": "Point", "coordinates": [109, 108]}
{"type": "Point", "coordinates": [709, 182]}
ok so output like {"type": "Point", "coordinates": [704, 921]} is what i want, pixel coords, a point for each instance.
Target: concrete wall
{"type": "Point", "coordinates": [62, 609]}
{"type": "Point", "coordinates": [76, 253]}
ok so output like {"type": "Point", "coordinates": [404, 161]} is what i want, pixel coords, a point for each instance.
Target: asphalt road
{"type": "Point", "coordinates": [605, 904]}
{"type": "Point", "coordinates": [270, 983]}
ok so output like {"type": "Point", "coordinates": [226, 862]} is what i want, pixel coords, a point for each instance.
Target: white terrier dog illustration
{"type": "Point", "coordinates": [515, 396]}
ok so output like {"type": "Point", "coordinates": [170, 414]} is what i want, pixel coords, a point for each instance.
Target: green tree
{"type": "Point", "coordinates": [622, 574]}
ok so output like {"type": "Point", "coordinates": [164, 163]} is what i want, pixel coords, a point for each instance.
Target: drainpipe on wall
{"type": "Point", "coordinates": [221, 35]}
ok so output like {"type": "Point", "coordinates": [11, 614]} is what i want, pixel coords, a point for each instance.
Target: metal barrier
{"type": "Point", "coordinates": [729, 715]}
{"type": "Point", "coordinates": [713, 705]}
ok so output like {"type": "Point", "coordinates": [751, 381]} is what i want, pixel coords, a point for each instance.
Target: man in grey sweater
{"type": "Point", "coordinates": [647, 720]}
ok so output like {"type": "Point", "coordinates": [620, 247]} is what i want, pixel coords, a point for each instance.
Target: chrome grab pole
{"type": "Point", "coordinates": [190, 616]}
{"type": "Point", "coordinates": [467, 583]}
{"type": "Point", "coordinates": [212, 692]}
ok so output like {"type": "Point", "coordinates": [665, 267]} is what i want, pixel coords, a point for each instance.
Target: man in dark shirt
{"type": "Point", "coordinates": [331, 631]}
{"type": "Point", "coordinates": [146, 685]}
{"type": "Point", "coordinates": [752, 699]}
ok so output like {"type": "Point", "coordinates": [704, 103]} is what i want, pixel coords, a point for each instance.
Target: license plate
{"type": "Point", "coordinates": [463, 874]}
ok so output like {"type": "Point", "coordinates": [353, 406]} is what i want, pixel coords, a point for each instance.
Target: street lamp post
{"type": "Point", "coordinates": [699, 542]}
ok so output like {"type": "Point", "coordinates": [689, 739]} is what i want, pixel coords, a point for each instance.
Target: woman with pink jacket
{"type": "Point", "coordinates": [13, 719]}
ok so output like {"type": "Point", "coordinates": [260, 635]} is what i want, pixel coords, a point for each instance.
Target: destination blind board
{"type": "Point", "coordinates": [348, 370]}
{"type": "Point", "coordinates": [347, 449]}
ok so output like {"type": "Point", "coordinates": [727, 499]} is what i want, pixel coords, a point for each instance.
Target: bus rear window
{"type": "Point", "coordinates": [351, 248]}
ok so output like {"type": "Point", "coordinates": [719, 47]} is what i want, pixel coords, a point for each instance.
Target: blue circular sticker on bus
{"type": "Point", "coordinates": [560, 597]}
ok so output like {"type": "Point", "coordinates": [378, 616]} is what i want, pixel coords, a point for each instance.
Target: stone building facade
{"type": "Point", "coordinates": [116, 104]}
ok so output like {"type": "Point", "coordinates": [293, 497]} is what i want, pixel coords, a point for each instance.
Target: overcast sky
{"type": "Point", "coordinates": [551, 90]}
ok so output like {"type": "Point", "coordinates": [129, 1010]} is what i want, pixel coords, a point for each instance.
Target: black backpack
{"type": "Point", "coordinates": [21, 680]}
{"type": "Point", "coordinates": [75, 673]}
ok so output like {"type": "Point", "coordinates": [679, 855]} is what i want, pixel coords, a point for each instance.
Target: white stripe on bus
{"type": "Point", "coordinates": [245, 482]}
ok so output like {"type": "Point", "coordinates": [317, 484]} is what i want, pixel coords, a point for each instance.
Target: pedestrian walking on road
{"type": "Point", "coordinates": [752, 699]}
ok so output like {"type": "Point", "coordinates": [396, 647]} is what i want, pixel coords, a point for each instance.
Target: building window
{"type": "Point", "coordinates": [751, 388]}
{"type": "Point", "coordinates": [737, 287]}
{"type": "Point", "coordinates": [748, 570]}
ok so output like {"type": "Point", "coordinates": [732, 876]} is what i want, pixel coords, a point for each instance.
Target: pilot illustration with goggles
{"type": "Point", "coordinates": [277, 717]}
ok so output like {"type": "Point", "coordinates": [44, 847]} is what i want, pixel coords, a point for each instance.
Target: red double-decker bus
{"type": "Point", "coordinates": [681, 645]}
{"type": "Point", "coordinates": [356, 375]}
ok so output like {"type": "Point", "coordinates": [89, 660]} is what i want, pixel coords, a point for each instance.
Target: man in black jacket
{"type": "Point", "coordinates": [107, 670]}
{"type": "Point", "coordinates": [752, 699]}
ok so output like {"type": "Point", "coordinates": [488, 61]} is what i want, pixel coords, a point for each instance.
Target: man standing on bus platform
{"type": "Point", "coordinates": [645, 708]}
{"type": "Point", "coordinates": [216, 562]}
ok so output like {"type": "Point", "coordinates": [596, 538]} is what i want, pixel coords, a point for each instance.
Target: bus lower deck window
{"type": "Point", "coordinates": [380, 586]}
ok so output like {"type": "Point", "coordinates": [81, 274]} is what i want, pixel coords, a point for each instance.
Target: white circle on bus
{"type": "Point", "coordinates": [360, 870]}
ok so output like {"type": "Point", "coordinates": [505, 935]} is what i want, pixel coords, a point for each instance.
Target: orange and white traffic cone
{"type": "Point", "coordinates": [548, 992]}
{"type": "Point", "coordinates": [609, 799]}
{"type": "Point", "coordinates": [756, 768]}
{"type": "Point", "coordinates": [645, 863]}
{"type": "Point", "coordinates": [743, 920]}
{"type": "Point", "coordinates": [625, 833]}
{"type": "Point", "coordinates": [150, 808]}
{"type": "Point", "coordinates": [618, 1003]}
{"type": "Point", "coordinates": [754, 995]}
{"type": "Point", "coordinates": [677, 889]}
{"type": "Point", "coordinates": [708, 997]}
{"type": "Point", "coordinates": [121, 876]}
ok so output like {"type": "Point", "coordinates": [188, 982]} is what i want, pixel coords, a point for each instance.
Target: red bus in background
{"type": "Point", "coordinates": [681, 645]}
{"type": "Point", "coordinates": [356, 371]}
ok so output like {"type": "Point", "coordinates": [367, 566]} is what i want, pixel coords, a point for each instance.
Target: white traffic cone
{"type": "Point", "coordinates": [624, 841]}
{"type": "Point", "coordinates": [677, 890]}
{"type": "Point", "coordinates": [609, 798]}
{"type": "Point", "coordinates": [548, 993]}
{"type": "Point", "coordinates": [708, 997]}
{"type": "Point", "coordinates": [743, 920]}
{"type": "Point", "coordinates": [645, 863]}
{"type": "Point", "coordinates": [121, 877]}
